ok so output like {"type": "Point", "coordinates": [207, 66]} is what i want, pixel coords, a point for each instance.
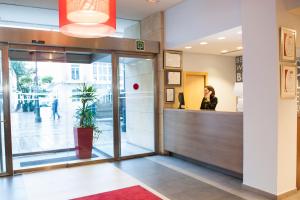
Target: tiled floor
{"type": "Point", "coordinates": [30, 136]}
{"type": "Point", "coordinates": [167, 177]}
{"type": "Point", "coordinates": [53, 135]}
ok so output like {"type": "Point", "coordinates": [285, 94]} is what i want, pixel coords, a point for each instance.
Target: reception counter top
{"type": "Point", "coordinates": [211, 137]}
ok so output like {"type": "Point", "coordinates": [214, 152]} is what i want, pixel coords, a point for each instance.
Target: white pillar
{"type": "Point", "coordinates": [269, 121]}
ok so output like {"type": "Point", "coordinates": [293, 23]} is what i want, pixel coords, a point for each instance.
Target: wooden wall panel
{"type": "Point", "coordinates": [211, 137]}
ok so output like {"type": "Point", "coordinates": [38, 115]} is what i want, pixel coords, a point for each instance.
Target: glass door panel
{"type": "Point", "coordinates": [2, 136]}
{"type": "Point", "coordinates": [136, 105]}
{"type": "Point", "coordinates": [44, 100]}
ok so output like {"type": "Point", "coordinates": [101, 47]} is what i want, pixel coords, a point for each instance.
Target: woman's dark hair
{"type": "Point", "coordinates": [210, 88]}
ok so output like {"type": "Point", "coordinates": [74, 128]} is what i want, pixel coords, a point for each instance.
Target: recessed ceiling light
{"type": "Point", "coordinates": [221, 38]}
{"type": "Point", "coordinates": [152, 1]}
{"type": "Point", "coordinates": [224, 51]}
{"type": "Point", "coordinates": [239, 48]}
{"type": "Point", "coordinates": [203, 43]}
{"type": "Point", "coordinates": [188, 47]}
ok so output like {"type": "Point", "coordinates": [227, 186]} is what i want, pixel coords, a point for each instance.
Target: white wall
{"type": "Point", "coordinates": [269, 121]}
{"type": "Point", "coordinates": [195, 19]}
{"type": "Point", "coordinates": [287, 128]}
{"type": "Point", "coordinates": [221, 75]}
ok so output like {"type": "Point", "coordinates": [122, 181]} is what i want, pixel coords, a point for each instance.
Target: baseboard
{"type": "Point", "coordinates": [287, 194]}
{"type": "Point", "coordinates": [269, 195]}
{"type": "Point", "coordinates": [209, 166]}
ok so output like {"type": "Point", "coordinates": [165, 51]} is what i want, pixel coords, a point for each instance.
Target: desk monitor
{"type": "Point", "coordinates": [181, 100]}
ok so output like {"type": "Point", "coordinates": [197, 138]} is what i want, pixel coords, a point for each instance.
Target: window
{"type": "Point", "coordinates": [75, 72]}
{"type": "Point", "coordinates": [102, 72]}
{"type": "Point", "coordinates": [75, 92]}
{"type": "Point", "coordinates": [95, 71]}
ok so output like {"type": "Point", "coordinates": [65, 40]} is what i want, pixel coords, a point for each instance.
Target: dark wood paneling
{"type": "Point", "coordinates": [211, 137]}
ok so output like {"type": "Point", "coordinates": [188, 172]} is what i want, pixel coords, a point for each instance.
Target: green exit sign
{"type": "Point", "coordinates": [140, 45]}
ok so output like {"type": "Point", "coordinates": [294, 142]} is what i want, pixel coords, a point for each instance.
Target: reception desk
{"type": "Point", "coordinates": [211, 137]}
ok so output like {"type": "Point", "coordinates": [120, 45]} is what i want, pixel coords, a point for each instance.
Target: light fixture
{"type": "Point", "coordinates": [188, 47]}
{"type": "Point", "coordinates": [224, 51]}
{"type": "Point", "coordinates": [82, 27]}
{"type": "Point", "coordinates": [221, 38]}
{"type": "Point", "coordinates": [239, 48]}
{"type": "Point", "coordinates": [88, 11]}
{"type": "Point", "coordinates": [153, 1]}
{"type": "Point", "coordinates": [203, 43]}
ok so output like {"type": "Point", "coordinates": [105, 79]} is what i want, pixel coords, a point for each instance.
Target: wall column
{"type": "Point", "coordinates": [152, 28]}
{"type": "Point", "coordinates": [269, 121]}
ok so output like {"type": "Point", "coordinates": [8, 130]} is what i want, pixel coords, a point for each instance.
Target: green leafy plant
{"type": "Point", "coordinates": [86, 113]}
{"type": "Point", "coordinates": [47, 79]}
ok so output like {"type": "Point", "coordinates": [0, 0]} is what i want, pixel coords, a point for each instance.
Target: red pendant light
{"type": "Point", "coordinates": [87, 18]}
{"type": "Point", "coordinates": [88, 11]}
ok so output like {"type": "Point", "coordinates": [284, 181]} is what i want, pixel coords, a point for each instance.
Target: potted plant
{"type": "Point", "coordinates": [85, 116]}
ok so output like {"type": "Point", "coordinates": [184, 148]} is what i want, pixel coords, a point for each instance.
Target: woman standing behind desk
{"type": "Point", "coordinates": [209, 101]}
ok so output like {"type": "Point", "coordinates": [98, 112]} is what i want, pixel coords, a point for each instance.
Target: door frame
{"type": "Point", "coordinates": [6, 111]}
{"type": "Point", "coordinates": [186, 74]}
{"type": "Point", "coordinates": [115, 54]}
{"type": "Point", "coordinates": [116, 92]}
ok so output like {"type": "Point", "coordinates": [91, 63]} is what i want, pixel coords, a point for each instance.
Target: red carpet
{"type": "Point", "coordinates": [130, 193]}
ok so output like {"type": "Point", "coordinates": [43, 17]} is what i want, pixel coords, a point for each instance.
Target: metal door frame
{"type": "Point", "coordinates": [115, 54]}
{"type": "Point", "coordinates": [116, 92]}
{"type": "Point", "coordinates": [6, 111]}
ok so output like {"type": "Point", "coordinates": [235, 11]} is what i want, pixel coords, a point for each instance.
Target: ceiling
{"type": "Point", "coordinates": [127, 9]}
{"type": "Point", "coordinates": [233, 40]}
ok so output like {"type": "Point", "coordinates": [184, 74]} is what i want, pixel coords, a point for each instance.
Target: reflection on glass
{"type": "Point", "coordinates": [2, 142]}
{"type": "Point", "coordinates": [136, 100]}
{"type": "Point", "coordinates": [43, 86]}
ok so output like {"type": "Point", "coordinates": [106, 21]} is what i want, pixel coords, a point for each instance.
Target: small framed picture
{"type": "Point", "coordinates": [288, 78]}
{"type": "Point", "coordinates": [172, 59]}
{"type": "Point", "coordinates": [170, 94]}
{"type": "Point", "coordinates": [287, 45]}
{"type": "Point", "coordinates": [173, 77]}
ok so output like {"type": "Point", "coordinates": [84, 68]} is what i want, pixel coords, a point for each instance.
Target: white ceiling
{"type": "Point", "coordinates": [139, 9]}
{"type": "Point", "coordinates": [127, 9]}
{"type": "Point", "coordinates": [233, 39]}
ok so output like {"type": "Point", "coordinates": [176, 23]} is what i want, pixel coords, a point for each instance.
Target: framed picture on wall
{"type": "Point", "coordinates": [287, 45]}
{"type": "Point", "coordinates": [170, 94]}
{"type": "Point", "coordinates": [288, 79]}
{"type": "Point", "coordinates": [172, 59]}
{"type": "Point", "coordinates": [173, 77]}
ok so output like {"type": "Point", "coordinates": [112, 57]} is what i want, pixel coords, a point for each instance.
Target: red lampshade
{"type": "Point", "coordinates": [88, 11]}
{"type": "Point", "coordinates": [84, 28]}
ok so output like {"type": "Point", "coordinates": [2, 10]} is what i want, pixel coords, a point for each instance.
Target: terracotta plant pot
{"type": "Point", "coordinates": [83, 138]}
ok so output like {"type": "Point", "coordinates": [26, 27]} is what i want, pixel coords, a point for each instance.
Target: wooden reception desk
{"type": "Point", "coordinates": [214, 138]}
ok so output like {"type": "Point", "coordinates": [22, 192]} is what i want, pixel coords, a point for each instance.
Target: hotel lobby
{"type": "Point", "coordinates": [149, 100]}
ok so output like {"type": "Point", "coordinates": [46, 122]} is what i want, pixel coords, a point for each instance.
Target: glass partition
{"type": "Point", "coordinates": [136, 105]}
{"type": "Point", "coordinates": [2, 135]}
{"type": "Point", "coordinates": [44, 100]}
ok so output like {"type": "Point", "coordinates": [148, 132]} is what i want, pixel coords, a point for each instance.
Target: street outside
{"type": "Point", "coordinates": [30, 136]}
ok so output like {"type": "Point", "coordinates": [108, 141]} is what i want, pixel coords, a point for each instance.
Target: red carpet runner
{"type": "Point", "coordinates": [130, 193]}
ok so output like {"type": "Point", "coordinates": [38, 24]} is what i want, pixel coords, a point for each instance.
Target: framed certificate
{"type": "Point", "coordinates": [170, 94]}
{"type": "Point", "coordinates": [287, 45]}
{"type": "Point", "coordinates": [288, 78]}
{"type": "Point", "coordinates": [172, 59]}
{"type": "Point", "coordinates": [173, 77]}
